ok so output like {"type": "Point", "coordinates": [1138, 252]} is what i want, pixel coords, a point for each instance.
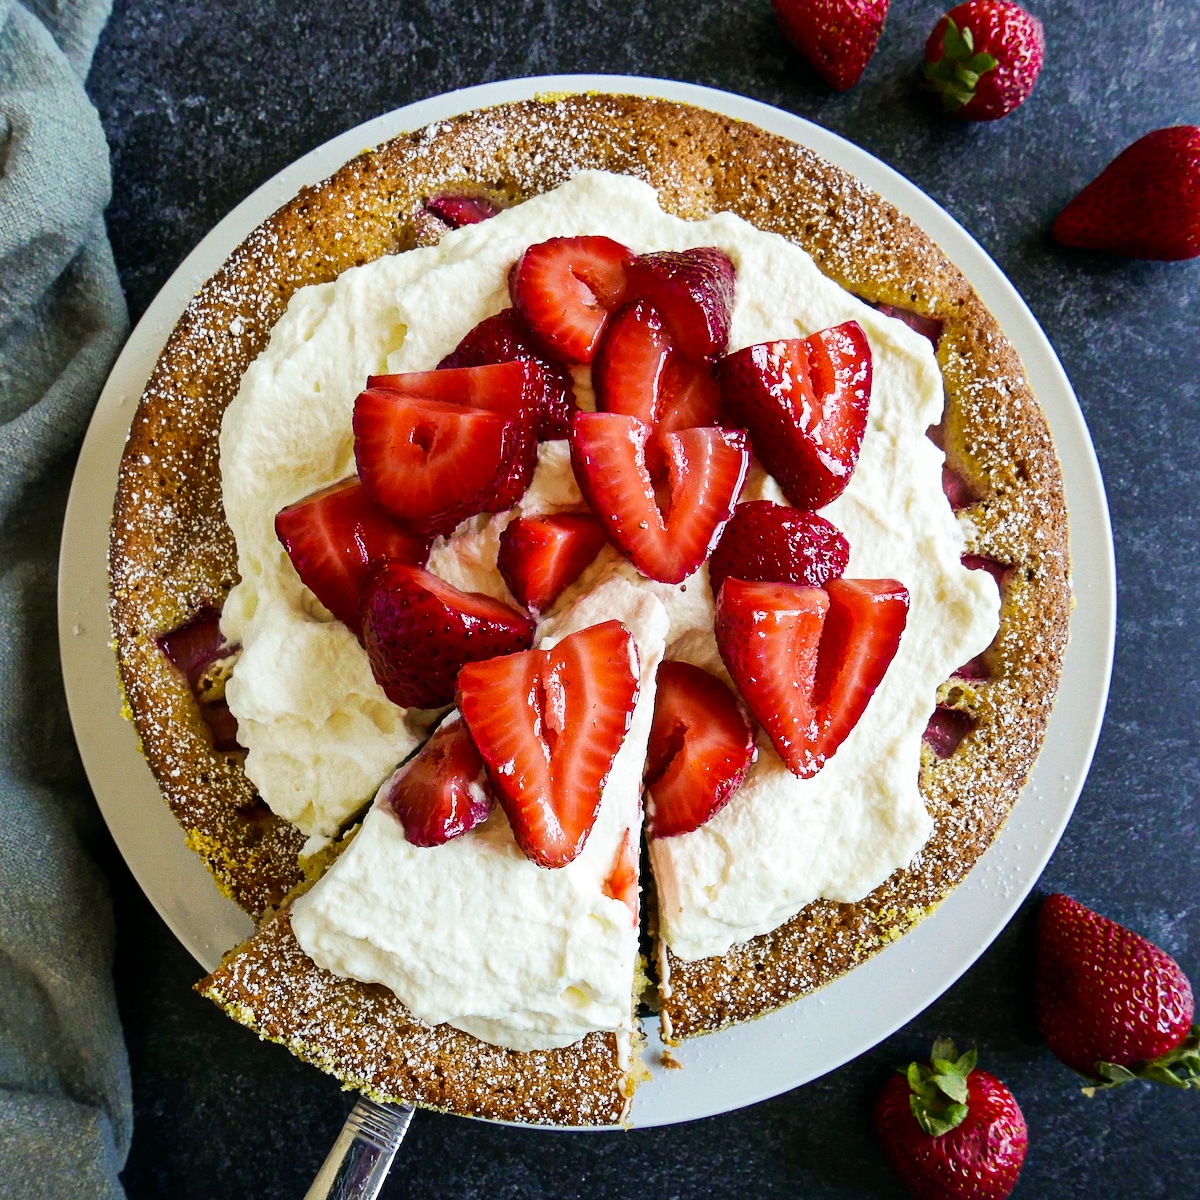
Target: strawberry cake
{"type": "Point", "coordinates": [571, 477]}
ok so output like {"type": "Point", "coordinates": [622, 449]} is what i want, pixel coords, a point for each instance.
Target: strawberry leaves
{"type": "Point", "coordinates": [939, 1091]}
{"type": "Point", "coordinates": [1178, 1068]}
{"type": "Point", "coordinates": [956, 74]}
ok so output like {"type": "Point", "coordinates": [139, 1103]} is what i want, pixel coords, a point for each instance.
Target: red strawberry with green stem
{"type": "Point", "coordinates": [1110, 1004]}
{"type": "Point", "coordinates": [335, 536]}
{"type": "Point", "coordinates": [548, 724]}
{"type": "Point", "coordinates": [1145, 203]}
{"type": "Point", "coordinates": [950, 1131]}
{"type": "Point", "coordinates": [983, 58]}
{"type": "Point", "coordinates": [701, 746]}
{"type": "Point", "coordinates": [418, 632]}
{"type": "Point", "coordinates": [837, 37]}
{"type": "Point", "coordinates": [442, 791]}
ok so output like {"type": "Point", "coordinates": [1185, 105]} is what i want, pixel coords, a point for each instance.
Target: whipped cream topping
{"type": "Point", "coordinates": [473, 932]}
{"type": "Point", "coordinates": [322, 737]}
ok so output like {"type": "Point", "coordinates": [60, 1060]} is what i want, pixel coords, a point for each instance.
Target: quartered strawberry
{"type": "Point", "coordinates": [418, 631]}
{"type": "Point", "coordinates": [539, 556]}
{"type": "Point", "coordinates": [512, 389]}
{"type": "Point", "coordinates": [805, 403]}
{"type": "Point", "coordinates": [548, 724]}
{"type": "Point", "coordinates": [622, 881]}
{"type": "Point", "coordinates": [1111, 1004]}
{"type": "Point", "coordinates": [701, 746]}
{"type": "Point", "coordinates": [768, 635]}
{"type": "Point", "coordinates": [807, 660]}
{"type": "Point", "coordinates": [442, 791]}
{"type": "Point", "coordinates": [693, 293]}
{"type": "Point", "coordinates": [639, 372]}
{"type": "Point", "coordinates": [705, 469]}
{"type": "Point", "coordinates": [928, 327]}
{"type": "Point", "coordinates": [335, 536]}
{"type": "Point", "coordinates": [947, 728]}
{"type": "Point", "coordinates": [457, 210]}
{"type": "Point", "coordinates": [862, 634]}
{"type": "Point", "coordinates": [506, 338]}
{"type": "Point", "coordinates": [564, 290]}
{"type": "Point", "coordinates": [772, 543]}
{"type": "Point", "coordinates": [196, 647]}
{"type": "Point", "coordinates": [430, 463]}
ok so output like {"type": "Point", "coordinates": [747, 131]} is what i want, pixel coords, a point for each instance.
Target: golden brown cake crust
{"type": "Point", "coordinates": [173, 554]}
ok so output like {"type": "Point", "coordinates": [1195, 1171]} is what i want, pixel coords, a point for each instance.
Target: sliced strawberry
{"type": "Point", "coordinates": [693, 292]}
{"type": "Point", "coordinates": [638, 372]}
{"type": "Point", "coordinates": [513, 389]}
{"type": "Point", "coordinates": [946, 729]}
{"type": "Point", "coordinates": [772, 543]}
{"type": "Point", "coordinates": [862, 633]}
{"type": "Point", "coordinates": [457, 210]}
{"type": "Point", "coordinates": [768, 635]}
{"type": "Point", "coordinates": [418, 631]}
{"type": "Point", "coordinates": [622, 881]}
{"type": "Point", "coordinates": [805, 404]}
{"type": "Point", "coordinates": [196, 646]}
{"type": "Point", "coordinates": [564, 290]}
{"type": "Point", "coordinates": [429, 463]}
{"type": "Point", "coordinates": [335, 536]}
{"type": "Point", "coordinates": [222, 726]}
{"type": "Point", "coordinates": [506, 338]}
{"type": "Point", "coordinates": [701, 746]}
{"type": "Point", "coordinates": [997, 570]}
{"type": "Point", "coordinates": [539, 556]}
{"type": "Point", "coordinates": [705, 469]}
{"type": "Point", "coordinates": [928, 327]}
{"type": "Point", "coordinates": [443, 791]}
{"type": "Point", "coordinates": [549, 724]}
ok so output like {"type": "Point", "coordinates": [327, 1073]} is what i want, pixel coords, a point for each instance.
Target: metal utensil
{"type": "Point", "coordinates": [361, 1157]}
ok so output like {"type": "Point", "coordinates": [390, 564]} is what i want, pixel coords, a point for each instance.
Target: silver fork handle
{"type": "Point", "coordinates": [362, 1155]}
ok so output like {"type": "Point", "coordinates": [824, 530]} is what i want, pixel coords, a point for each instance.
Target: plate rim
{"type": "Point", "coordinates": [817, 1033]}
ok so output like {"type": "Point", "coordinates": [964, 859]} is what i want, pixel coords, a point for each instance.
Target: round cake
{"type": "Point", "coordinates": [174, 561]}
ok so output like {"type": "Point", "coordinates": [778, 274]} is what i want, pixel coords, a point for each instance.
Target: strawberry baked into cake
{"type": "Point", "coordinates": [575, 479]}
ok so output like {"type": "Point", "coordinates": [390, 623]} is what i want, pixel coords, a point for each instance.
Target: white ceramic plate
{"type": "Point", "coordinates": [814, 1035]}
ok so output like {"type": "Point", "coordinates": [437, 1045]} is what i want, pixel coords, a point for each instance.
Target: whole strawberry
{"type": "Point", "coordinates": [1111, 1004]}
{"type": "Point", "coordinates": [983, 58]}
{"type": "Point", "coordinates": [951, 1132]}
{"type": "Point", "coordinates": [1145, 203]}
{"type": "Point", "coordinates": [837, 37]}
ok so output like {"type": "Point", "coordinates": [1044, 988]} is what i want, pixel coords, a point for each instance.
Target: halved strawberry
{"type": "Point", "coordinates": [335, 536]}
{"type": "Point", "coordinates": [768, 635]}
{"type": "Point", "coordinates": [457, 210]}
{"type": "Point", "coordinates": [862, 633]}
{"type": "Point", "coordinates": [693, 292]}
{"type": "Point", "coordinates": [506, 338]}
{"type": "Point", "coordinates": [701, 746]}
{"type": "Point", "coordinates": [565, 288]}
{"type": "Point", "coordinates": [418, 631]}
{"type": "Point", "coordinates": [513, 389]}
{"type": "Point", "coordinates": [638, 371]}
{"type": "Point", "coordinates": [927, 326]}
{"type": "Point", "coordinates": [442, 791]}
{"type": "Point", "coordinates": [705, 469]}
{"type": "Point", "coordinates": [622, 881]}
{"type": "Point", "coordinates": [549, 723]}
{"type": "Point", "coordinates": [429, 463]}
{"type": "Point", "coordinates": [805, 404]}
{"type": "Point", "coordinates": [539, 556]}
{"type": "Point", "coordinates": [196, 646]}
{"type": "Point", "coordinates": [772, 543]}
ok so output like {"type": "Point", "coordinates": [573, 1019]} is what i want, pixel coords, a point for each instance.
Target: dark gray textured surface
{"type": "Point", "coordinates": [203, 101]}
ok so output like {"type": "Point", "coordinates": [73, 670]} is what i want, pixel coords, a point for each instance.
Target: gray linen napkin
{"type": "Point", "coordinates": [65, 1110]}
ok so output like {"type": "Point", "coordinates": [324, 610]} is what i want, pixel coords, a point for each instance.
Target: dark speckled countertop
{"type": "Point", "coordinates": [204, 100]}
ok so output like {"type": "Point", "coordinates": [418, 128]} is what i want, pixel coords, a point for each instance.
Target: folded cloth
{"type": "Point", "coordinates": [65, 1111]}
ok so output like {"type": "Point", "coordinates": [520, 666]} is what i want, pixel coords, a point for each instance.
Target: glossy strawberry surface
{"type": "Point", "coordinates": [805, 403]}
{"type": "Point", "coordinates": [539, 556]}
{"type": "Point", "coordinates": [335, 536]}
{"type": "Point", "coordinates": [837, 37]}
{"type": "Point", "coordinates": [442, 792]}
{"type": "Point", "coordinates": [693, 293]}
{"type": "Point", "coordinates": [565, 289]}
{"type": "Point", "coordinates": [418, 632]}
{"type": "Point", "coordinates": [549, 742]}
{"type": "Point", "coordinates": [770, 542]}
{"type": "Point", "coordinates": [704, 474]}
{"type": "Point", "coordinates": [701, 746]}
